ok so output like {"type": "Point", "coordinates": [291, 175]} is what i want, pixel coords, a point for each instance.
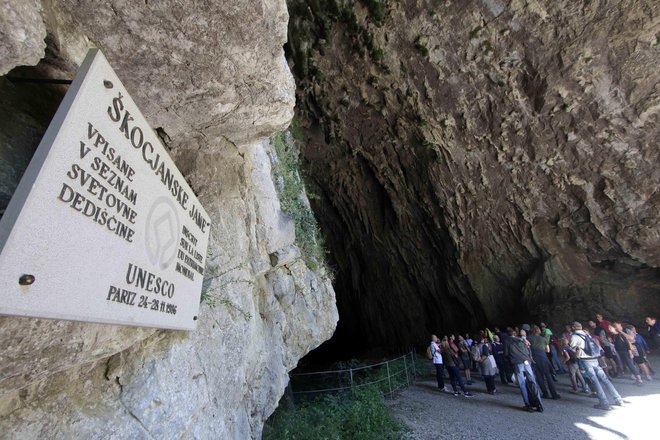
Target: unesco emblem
{"type": "Point", "coordinates": [162, 233]}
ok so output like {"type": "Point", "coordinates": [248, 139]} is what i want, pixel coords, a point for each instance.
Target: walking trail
{"type": "Point", "coordinates": [431, 414]}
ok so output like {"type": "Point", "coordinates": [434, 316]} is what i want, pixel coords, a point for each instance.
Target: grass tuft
{"type": "Point", "coordinates": [293, 200]}
{"type": "Point", "coordinates": [421, 47]}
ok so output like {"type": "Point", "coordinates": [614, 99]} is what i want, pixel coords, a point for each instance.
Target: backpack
{"type": "Point", "coordinates": [591, 349]}
{"type": "Point", "coordinates": [429, 353]}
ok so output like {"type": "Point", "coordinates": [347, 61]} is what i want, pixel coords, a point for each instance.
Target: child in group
{"type": "Point", "coordinates": [571, 362]}
{"type": "Point", "coordinates": [639, 352]}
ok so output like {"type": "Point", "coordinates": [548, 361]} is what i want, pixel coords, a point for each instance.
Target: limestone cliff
{"type": "Point", "coordinates": [480, 161]}
{"type": "Point", "coordinates": [212, 80]}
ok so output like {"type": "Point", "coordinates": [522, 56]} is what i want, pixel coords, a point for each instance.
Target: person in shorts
{"type": "Point", "coordinates": [608, 349]}
{"type": "Point", "coordinates": [639, 352]}
{"type": "Point", "coordinates": [464, 352]}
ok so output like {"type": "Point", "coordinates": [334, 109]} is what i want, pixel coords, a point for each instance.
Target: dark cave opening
{"type": "Point", "coordinates": [391, 292]}
{"type": "Point", "coordinates": [30, 98]}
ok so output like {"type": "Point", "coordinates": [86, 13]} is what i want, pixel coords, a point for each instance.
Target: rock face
{"type": "Point", "coordinates": [479, 162]}
{"type": "Point", "coordinates": [211, 78]}
{"type": "Point", "coordinates": [22, 34]}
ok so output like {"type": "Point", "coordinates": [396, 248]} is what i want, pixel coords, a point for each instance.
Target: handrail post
{"type": "Point", "coordinates": [289, 397]}
{"type": "Point", "coordinates": [350, 372]}
{"type": "Point", "coordinates": [405, 367]}
{"type": "Point", "coordinates": [412, 357]}
{"type": "Point", "coordinates": [389, 379]}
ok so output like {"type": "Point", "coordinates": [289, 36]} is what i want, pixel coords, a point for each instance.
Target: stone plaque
{"type": "Point", "coordinates": [103, 227]}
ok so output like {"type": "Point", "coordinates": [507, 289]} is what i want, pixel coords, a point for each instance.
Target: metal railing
{"type": "Point", "coordinates": [388, 376]}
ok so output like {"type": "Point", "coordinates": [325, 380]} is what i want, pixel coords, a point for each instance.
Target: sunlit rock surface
{"type": "Point", "coordinates": [22, 34]}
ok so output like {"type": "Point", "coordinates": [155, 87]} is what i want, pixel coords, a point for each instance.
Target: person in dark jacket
{"type": "Point", "coordinates": [654, 331]}
{"type": "Point", "coordinates": [518, 353]}
{"type": "Point", "coordinates": [625, 349]}
{"type": "Point", "coordinates": [542, 366]}
{"type": "Point", "coordinates": [502, 364]}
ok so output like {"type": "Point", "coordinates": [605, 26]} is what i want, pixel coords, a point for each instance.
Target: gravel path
{"type": "Point", "coordinates": [432, 415]}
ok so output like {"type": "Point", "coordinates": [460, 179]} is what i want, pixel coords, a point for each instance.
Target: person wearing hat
{"type": "Point", "coordinates": [579, 341]}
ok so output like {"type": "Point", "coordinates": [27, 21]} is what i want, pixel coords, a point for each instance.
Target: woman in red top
{"type": "Point", "coordinates": [604, 324]}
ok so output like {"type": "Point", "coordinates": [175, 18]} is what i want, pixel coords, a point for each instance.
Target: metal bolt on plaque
{"type": "Point", "coordinates": [26, 280]}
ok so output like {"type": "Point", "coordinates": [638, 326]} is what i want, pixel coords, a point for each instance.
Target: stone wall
{"type": "Point", "coordinates": [211, 78]}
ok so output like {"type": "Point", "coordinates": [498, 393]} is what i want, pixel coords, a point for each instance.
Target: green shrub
{"type": "Point", "coordinates": [291, 191]}
{"type": "Point", "coordinates": [475, 32]}
{"type": "Point", "coordinates": [368, 418]}
{"type": "Point", "coordinates": [376, 9]}
{"type": "Point", "coordinates": [377, 54]}
{"type": "Point", "coordinates": [358, 412]}
{"type": "Point", "coordinates": [362, 415]}
{"type": "Point", "coordinates": [421, 47]}
{"type": "Point", "coordinates": [295, 131]}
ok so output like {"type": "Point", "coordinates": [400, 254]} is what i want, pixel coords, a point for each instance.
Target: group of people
{"type": "Point", "coordinates": [532, 356]}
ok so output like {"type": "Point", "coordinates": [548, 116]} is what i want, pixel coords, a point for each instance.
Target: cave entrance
{"type": "Point", "coordinates": [30, 97]}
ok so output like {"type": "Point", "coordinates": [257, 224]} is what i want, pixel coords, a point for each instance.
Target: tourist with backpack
{"type": "Point", "coordinates": [518, 353]}
{"type": "Point", "coordinates": [588, 352]}
{"type": "Point", "coordinates": [433, 353]}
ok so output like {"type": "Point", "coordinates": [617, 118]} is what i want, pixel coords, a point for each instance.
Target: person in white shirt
{"type": "Point", "coordinates": [437, 363]}
{"type": "Point", "coordinates": [579, 345]}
